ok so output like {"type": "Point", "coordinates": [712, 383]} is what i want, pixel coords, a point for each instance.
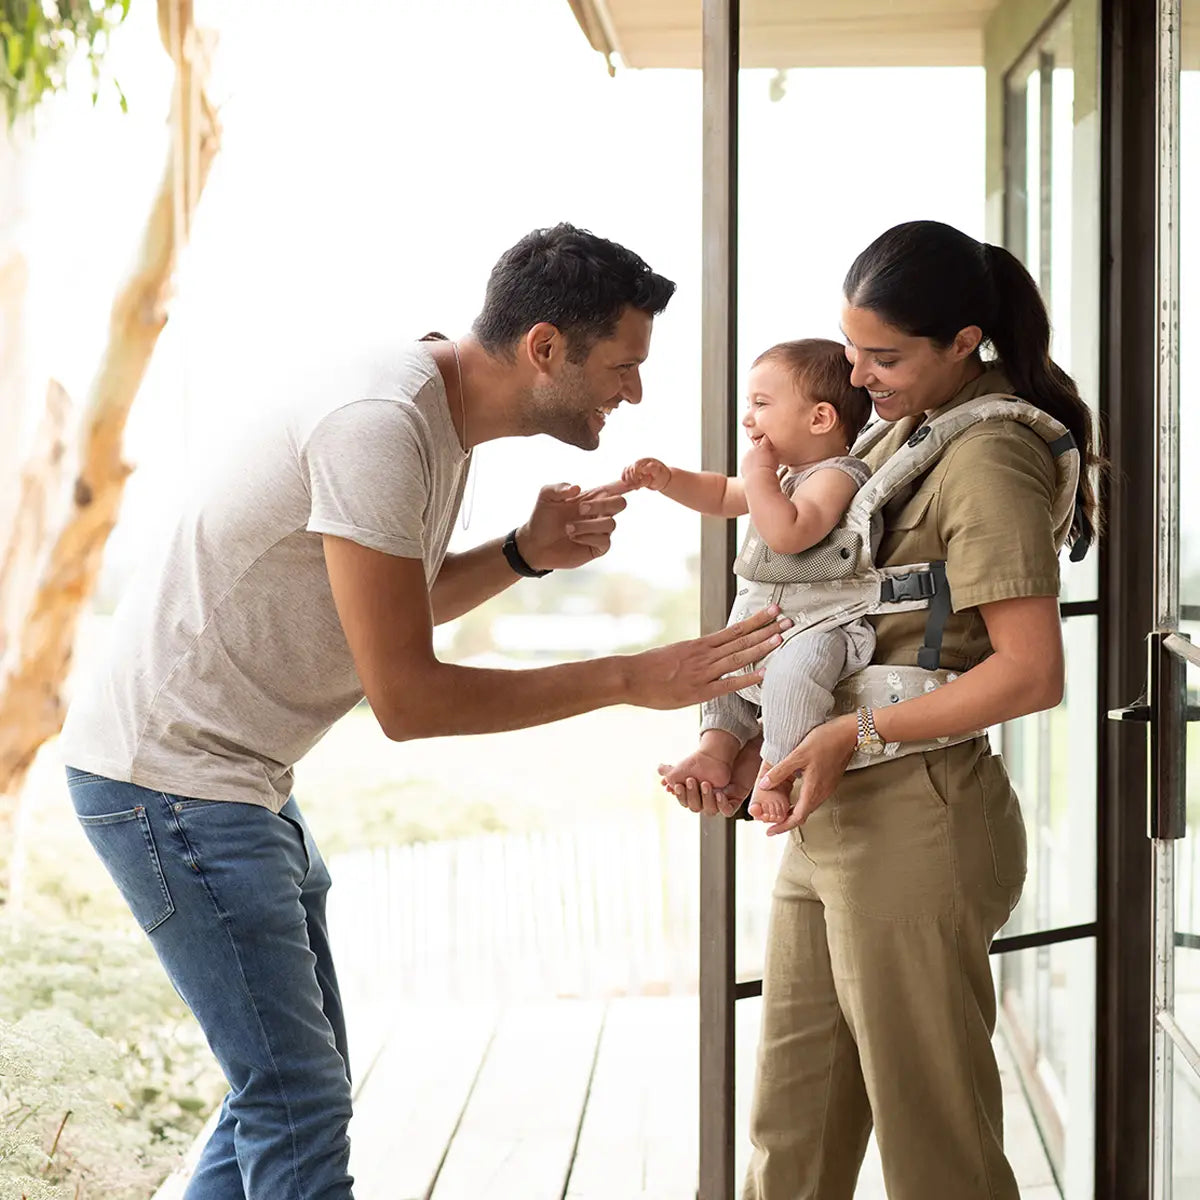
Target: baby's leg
{"type": "Point", "coordinates": [727, 723]}
{"type": "Point", "coordinates": [797, 695]}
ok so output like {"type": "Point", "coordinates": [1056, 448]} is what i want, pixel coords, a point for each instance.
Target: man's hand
{"type": "Point", "coordinates": [693, 671]}
{"type": "Point", "coordinates": [647, 473]}
{"type": "Point", "coordinates": [567, 528]}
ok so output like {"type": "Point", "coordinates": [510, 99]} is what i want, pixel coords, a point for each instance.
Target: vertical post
{"type": "Point", "coordinates": [719, 364]}
{"type": "Point", "coordinates": [1016, 171]}
{"type": "Point", "coordinates": [1046, 173]}
{"type": "Point", "coordinates": [1166, 708]}
{"type": "Point", "coordinates": [1045, 276]}
{"type": "Point", "coordinates": [1124, 897]}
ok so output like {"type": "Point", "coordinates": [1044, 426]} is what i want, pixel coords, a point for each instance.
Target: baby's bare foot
{"type": "Point", "coordinates": [702, 767]}
{"type": "Point", "coordinates": [771, 804]}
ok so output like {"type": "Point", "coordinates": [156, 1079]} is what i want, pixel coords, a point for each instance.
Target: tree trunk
{"type": "Point", "coordinates": [14, 283]}
{"type": "Point", "coordinates": [34, 671]}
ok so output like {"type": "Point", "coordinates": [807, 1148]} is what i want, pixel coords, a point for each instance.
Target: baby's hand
{"type": "Point", "coordinates": [647, 473]}
{"type": "Point", "coordinates": [760, 457]}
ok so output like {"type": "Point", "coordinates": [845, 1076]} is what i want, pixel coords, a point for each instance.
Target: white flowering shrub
{"type": "Point", "coordinates": [104, 1077]}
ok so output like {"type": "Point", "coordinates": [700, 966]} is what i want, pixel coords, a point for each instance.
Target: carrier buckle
{"type": "Point", "coordinates": [911, 586]}
{"type": "Point", "coordinates": [915, 585]}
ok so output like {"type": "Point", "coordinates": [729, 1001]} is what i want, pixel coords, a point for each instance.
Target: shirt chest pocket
{"type": "Point", "coordinates": [909, 532]}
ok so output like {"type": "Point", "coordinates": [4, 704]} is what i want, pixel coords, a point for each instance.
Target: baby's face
{"type": "Point", "coordinates": [778, 414]}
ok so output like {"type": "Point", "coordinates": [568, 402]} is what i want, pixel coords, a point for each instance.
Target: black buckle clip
{"type": "Point", "coordinates": [915, 585]}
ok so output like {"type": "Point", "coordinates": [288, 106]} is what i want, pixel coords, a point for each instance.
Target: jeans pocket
{"type": "Point", "coordinates": [125, 844]}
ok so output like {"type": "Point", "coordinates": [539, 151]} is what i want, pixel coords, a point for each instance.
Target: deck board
{"type": "Point", "coordinates": [518, 1133]}
{"type": "Point", "coordinates": [639, 1138]}
{"type": "Point", "coordinates": [409, 1105]}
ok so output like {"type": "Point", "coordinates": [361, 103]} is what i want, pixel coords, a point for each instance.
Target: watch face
{"type": "Point", "coordinates": [872, 746]}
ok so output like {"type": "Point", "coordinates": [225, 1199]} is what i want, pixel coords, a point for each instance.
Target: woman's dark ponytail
{"type": "Point", "coordinates": [1020, 334]}
{"type": "Point", "coordinates": [932, 280]}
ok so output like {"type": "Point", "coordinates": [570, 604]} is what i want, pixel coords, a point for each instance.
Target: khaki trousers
{"type": "Point", "coordinates": [878, 1002]}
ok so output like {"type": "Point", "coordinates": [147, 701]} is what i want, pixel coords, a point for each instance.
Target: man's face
{"type": "Point", "coordinates": [573, 404]}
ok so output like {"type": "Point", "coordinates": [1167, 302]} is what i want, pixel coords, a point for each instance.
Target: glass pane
{"type": "Point", "coordinates": [757, 865]}
{"type": "Point", "coordinates": [1187, 850]}
{"type": "Point", "coordinates": [802, 220]}
{"type": "Point", "coordinates": [1187, 882]}
{"type": "Point", "coordinates": [1185, 1147]}
{"type": "Point", "coordinates": [1052, 209]}
{"type": "Point", "coordinates": [1046, 1026]}
{"type": "Point", "coordinates": [1189, 311]}
{"type": "Point", "coordinates": [1051, 757]}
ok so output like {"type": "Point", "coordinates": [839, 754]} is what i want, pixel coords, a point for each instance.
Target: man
{"type": "Point", "coordinates": [311, 573]}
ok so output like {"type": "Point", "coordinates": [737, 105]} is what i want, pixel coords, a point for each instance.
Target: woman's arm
{"type": "Point", "coordinates": [1023, 675]}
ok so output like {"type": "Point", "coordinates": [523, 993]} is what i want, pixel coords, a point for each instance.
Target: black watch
{"type": "Point", "coordinates": [516, 559]}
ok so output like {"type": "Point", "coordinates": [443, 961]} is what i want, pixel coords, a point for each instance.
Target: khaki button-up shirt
{"type": "Point", "coordinates": [985, 509]}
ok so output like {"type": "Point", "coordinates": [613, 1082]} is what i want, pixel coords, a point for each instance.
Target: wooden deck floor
{"type": "Point", "coordinates": [566, 1100]}
{"type": "Point", "coordinates": [562, 1100]}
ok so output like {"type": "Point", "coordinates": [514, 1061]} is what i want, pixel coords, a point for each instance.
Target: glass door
{"type": "Point", "coordinates": [1045, 963]}
{"type": "Point", "coordinates": [1174, 668]}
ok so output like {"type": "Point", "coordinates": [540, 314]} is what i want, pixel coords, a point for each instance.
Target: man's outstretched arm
{"type": "Point", "coordinates": [384, 608]}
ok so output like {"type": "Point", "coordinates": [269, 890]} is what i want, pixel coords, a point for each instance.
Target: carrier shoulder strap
{"type": "Point", "coordinates": [923, 448]}
{"type": "Point", "coordinates": [929, 441]}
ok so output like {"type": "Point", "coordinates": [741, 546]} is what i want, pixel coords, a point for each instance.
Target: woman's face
{"type": "Point", "coordinates": [906, 375]}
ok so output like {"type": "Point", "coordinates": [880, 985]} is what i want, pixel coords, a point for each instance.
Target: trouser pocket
{"type": "Point", "coordinates": [1005, 825]}
{"type": "Point", "coordinates": [125, 844]}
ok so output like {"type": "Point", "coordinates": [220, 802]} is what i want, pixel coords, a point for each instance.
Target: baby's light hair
{"type": "Point", "coordinates": [821, 373]}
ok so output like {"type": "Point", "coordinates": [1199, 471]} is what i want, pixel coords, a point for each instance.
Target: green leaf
{"type": "Point", "coordinates": [39, 42]}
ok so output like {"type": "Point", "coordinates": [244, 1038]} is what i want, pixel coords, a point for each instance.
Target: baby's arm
{"type": "Point", "coordinates": [702, 491]}
{"type": "Point", "coordinates": [789, 526]}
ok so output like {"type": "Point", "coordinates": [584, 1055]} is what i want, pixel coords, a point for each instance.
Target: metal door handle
{"type": "Point", "coordinates": [1164, 706]}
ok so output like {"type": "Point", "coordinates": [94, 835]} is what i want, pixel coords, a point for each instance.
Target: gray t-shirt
{"type": "Point", "coordinates": [228, 661]}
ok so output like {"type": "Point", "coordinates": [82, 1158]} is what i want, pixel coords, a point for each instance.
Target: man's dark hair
{"type": "Point", "coordinates": [572, 279]}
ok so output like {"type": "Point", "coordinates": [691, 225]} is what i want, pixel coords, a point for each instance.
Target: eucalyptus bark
{"type": "Point", "coordinates": [60, 574]}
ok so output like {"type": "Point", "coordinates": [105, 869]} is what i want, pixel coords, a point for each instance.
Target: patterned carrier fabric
{"type": "Point", "coordinates": [836, 557]}
{"type": "Point", "coordinates": [878, 686]}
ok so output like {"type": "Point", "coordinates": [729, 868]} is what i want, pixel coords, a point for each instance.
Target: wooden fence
{"type": "Point", "coordinates": [590, 910]}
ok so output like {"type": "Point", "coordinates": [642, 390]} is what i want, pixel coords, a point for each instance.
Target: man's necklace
{"type": "Point", "coordinates": [469, 486]}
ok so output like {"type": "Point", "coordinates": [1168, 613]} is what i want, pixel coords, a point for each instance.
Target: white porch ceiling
{"type": "Point", "coordinates": [795, 33]}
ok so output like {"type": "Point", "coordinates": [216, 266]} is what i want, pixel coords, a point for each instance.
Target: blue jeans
{"type": "Point", "coordinates": [232, 897]}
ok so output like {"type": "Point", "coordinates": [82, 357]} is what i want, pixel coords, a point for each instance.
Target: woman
{"type": "Point", "coordinates": [878, 1002]}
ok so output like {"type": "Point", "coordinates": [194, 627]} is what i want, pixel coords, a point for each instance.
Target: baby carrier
{"type": "Point", "coordinates": [837, 581]}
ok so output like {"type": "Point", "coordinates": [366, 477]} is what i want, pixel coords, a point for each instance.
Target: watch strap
{"type": "Point", "coordinates": [516, 559]}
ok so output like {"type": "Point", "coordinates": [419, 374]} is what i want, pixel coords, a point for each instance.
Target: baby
{"type": "Point", "coordinates": [796, 483]}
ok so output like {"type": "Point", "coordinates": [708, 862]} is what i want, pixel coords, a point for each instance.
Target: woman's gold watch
{"type": "Point", "coordinates": [869, 742]}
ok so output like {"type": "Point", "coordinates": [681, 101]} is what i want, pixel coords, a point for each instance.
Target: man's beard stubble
{"type": "Point", "coordinates": [563, 410]}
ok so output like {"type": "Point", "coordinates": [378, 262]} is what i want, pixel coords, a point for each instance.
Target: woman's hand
{"type": "Point", "coordinates": [820, 760]}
